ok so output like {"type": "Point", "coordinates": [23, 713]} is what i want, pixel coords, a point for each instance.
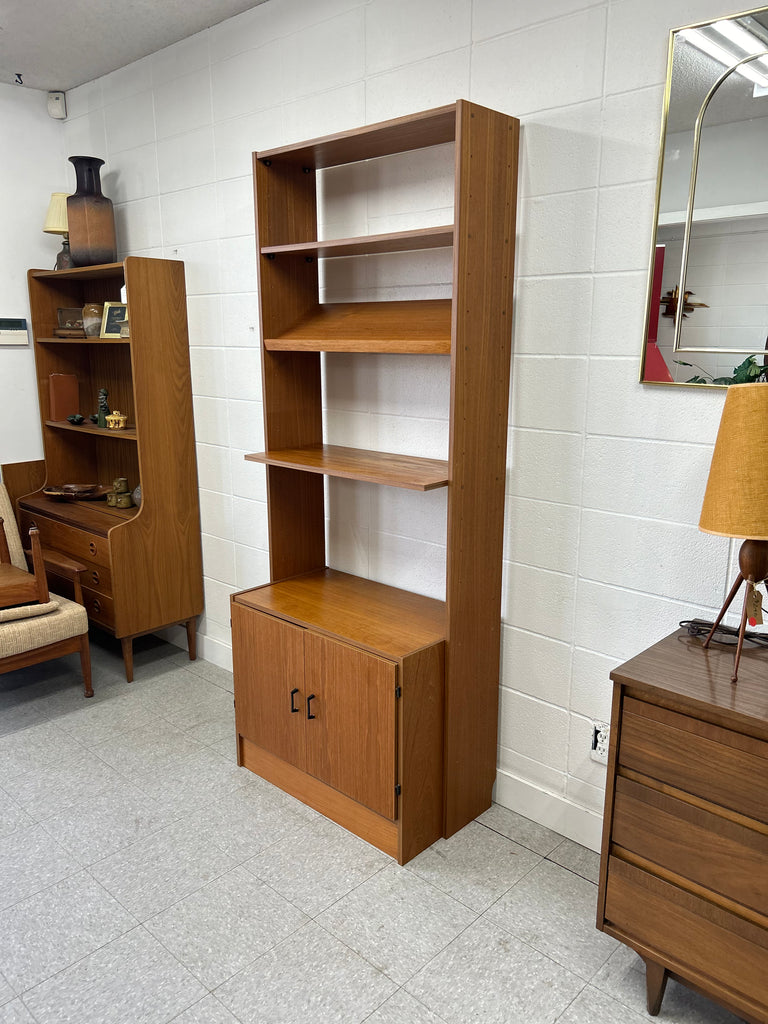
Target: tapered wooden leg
{"type": "Point", "coordinates": [191, 625]}
{"type": "Point", "coordinates": [85, 663]}
{"type": "Point", "coordinates": [127, 644]}
{"type": "Point", "coordinates": [655, 983]}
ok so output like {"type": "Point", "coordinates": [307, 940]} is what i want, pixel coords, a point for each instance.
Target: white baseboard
{"type": "Point", "coordinates": [549, 809]}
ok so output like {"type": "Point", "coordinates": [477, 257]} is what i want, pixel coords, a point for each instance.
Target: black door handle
{"type": "Point", "coordinates": [294, 691]}
{"type": "Point", "coordinates": [311, 697]}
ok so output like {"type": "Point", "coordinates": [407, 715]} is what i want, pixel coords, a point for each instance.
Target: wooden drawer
{"type": "Point", "coordinates": [79, 544]}
{"type": "Point", "coordinates": [714, 949]}
{"type": "Point", "coordinates": [708, 761]}
{"type": "Point", "coordinates": [99, 607]}
{"type": "Point", "coordinates": [724, 856]}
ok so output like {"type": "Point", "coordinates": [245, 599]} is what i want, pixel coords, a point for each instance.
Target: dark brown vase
{"type": "Point", "coordinates": [90, 216]}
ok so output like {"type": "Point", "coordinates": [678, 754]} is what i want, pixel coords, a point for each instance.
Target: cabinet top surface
{"type": "Point", "coordinates": [383, 619]}
{"type": "Point", "coordinates": [98, 270]}
{"type": "Point", "coordinates": [679, 671]}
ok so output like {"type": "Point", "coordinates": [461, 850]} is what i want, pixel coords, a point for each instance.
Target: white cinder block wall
{"type": "Point", "coordinates": [605, 476]}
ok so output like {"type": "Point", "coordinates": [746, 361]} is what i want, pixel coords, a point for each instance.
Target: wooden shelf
{"type": "Point", "coordinates": [406, 471]}
{"type": "Point", "coordinates": [83, 341]}
{"type": "Point", "coordinates": [369, 245]}
{"type": "Point", "coordinates": [417, 327]}
{"type": "Point", "coordinates": [128, 434]}
{"type": "Point", "coordinates": [382, 619]}
{"type": "Point", "coordinates": [94, 516]}
{"type": "Point", "coordinates": [400, 135]}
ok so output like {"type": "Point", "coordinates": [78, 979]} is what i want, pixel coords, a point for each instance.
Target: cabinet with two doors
{"type": "Point", "coordinates": [376, 705]}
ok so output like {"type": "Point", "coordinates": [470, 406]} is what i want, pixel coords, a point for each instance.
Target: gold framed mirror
{"type": "Point", "coordinates": [706, 321]}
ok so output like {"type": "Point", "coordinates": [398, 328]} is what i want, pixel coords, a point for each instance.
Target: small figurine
{"type": "Point", "coordinates": [103, 412]}
{"type": "Point", "coordinates": [76, 419]}
{"type": "Point", "coordinates": [116, 420]}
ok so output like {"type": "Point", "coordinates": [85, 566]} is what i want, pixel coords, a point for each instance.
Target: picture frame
{"type": "Point", "coordinates": [112, 320]}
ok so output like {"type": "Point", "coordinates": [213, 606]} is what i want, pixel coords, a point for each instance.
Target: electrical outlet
{"type": "Point", "coordinates": [600, 736]}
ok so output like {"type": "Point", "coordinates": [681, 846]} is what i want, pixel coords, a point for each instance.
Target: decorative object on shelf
{"type": "Point", "coordinates": [63, 395]}
{"type": "Point", "coordinates": [76, 419]}
{"type": "Point", "coordinates": [120, 485]}
{"type": "Point", "coordinates": [90, 216]}
{"type": "Point", "coordinates": [101, 416]}
{"type": "Point", "coordinates": [136, 495]}
{"type": "Point", "coordinates": [671, 299]}
{"type": "Point", "coordinates": [74, 492]}
{"type": "Point", "coordinates": [736, 499]}
{"type": "Point", "coordinates": [125, 330]}
{"type": "Point", "coordinates": [70, 323]}
{"type": "Point", "coordinates": [112, 320]}
{"type": "Point", "coordinates": [92, 315]}
{"type": "Point", "coordinates": [56, 224]}
{"type": "Point", "coordinates": [116, 420]}
{"type": "Point", "coordinates": [124, 500]}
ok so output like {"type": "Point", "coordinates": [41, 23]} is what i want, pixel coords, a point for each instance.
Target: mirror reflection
{"type": "Point", "coordinates": [707, 316]}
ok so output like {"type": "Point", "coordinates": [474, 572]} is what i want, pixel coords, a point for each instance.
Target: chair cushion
{"type": "Point", "coordinates": [21, 635]}
{"type": "Point", "coordinates": [27, 611]}
{"type": "Point", "coordinates": [11, 530]}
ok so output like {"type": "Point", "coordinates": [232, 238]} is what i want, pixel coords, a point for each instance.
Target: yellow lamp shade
{"type": "Point", "coordinates": [736, 499]}
{"type": "Point", "coordinates": [56, 218]}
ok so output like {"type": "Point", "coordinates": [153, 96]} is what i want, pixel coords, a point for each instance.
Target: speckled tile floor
{"type": "Point", "coordinates": [145, 878]}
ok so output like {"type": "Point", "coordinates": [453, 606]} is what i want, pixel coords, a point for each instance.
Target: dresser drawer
{"type": "Point", "coordinates": [726, 857]}
{"type": "Point", "coordinates": [99, 607]}
{"type": "Point", "coordinates": [701, 942]}
{"type": "Point", "coordinates": [708, 761]}
{"type": "Point", "coordinates": [77, 543]}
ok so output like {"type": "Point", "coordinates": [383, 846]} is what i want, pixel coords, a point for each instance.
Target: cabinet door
{"type": "Point", "coordinates": [268, 663]}
{"type": "Point", "coordinates": [351, 739]}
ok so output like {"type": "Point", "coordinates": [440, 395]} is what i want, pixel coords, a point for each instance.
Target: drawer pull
{"type": "Point", "coordinates": [95, 578]}
{"type": "Point", "coordinates": [33, 524]}
{"type": "Point", "coordinates": [96, 606]}
{"type": "Point", "coordinates": [92, 548]}
{"type": "Point", "coordinates": [310, 698]}
{"type": "Point", "coordinates": [294, 709]}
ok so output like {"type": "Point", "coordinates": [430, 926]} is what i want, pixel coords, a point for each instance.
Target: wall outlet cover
{"type": "Point", "coordinates": [600, 738]}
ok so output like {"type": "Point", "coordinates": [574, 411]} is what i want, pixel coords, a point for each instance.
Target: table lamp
{"type": "Point", "coordinates": [736, 499]}
{"type": "Point", "coordinates": [56, 224]}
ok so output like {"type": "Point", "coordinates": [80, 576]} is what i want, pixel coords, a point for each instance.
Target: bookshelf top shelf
{"type": "Point", "coordinates": [408, 471]}
{"type": "Point", "coordinates": [417, 131]}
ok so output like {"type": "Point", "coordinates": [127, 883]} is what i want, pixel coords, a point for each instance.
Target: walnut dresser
{"type": "Point", "coordinates": [684, 867]}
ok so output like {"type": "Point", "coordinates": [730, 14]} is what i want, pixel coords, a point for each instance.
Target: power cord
{"type": "Point", "coordinates": [723, 634]}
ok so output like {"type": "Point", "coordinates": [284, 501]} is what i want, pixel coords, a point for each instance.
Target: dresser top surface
{"type": "Point", "coordinates": [680, 672]}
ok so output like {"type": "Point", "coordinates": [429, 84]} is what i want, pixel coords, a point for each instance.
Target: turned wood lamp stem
{"type": "Point", "coordinates": [753, 568]}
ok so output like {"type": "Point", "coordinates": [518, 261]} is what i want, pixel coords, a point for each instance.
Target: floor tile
{"type": "Point", "coordinates": [98, 723]}
{"type": "Point", "coordinates": [216, 704]}
{"type": "Point", "coordinates": [577, 858]}
{"type": "Point", "coordinates": [403, 1009]}
{"type": "Point", "coordinates": [15, 1012]}
{"type": "Point", "coordinates": [397, 921]}
{"type": "Point", "coordinates": [12, 815]}
{"type": "Point", "coordinates": [15, 715]}
{"type": "Point", "coordinates": [6, 992]}
{"type": "Point", "coordinates": [520, 830]}
{"type": "Point", "coordinates": [97, 826]}
{"type": "Point", "coordinates": [151, 747]}
{"type": "Point", "coordinates": [475, 866]}
{"type": "Point", "coordinates": [553, 910]}
{"type": "Point", "coordinates": [318, 865]}
{"type": "Point", "coordinates": [155, 872]}
{"type": "Point", "coordinates": [201, 777]}
{"type": "Point", "coordinates": [47, 932]}
{"type": "Point", "coordinates": [207, 1011]}
{"type": "Point", "coordinates": [623, 978]}
{"type": "Point", "coordinates": [593, 1007]}
{"type": "Point", "coordinates": [45, 790]}
{"type": "Point", "coordinates": [225, 926]}
{"type": "Point", "coordinates": [487, 976]}
{"type": "Point", "coordinates": [40, 744]}
{"type": "Point", "coordinates": [309, 977]}
{"type": "Point", "coordinates": [132, 980]}
{"type": "Point", "coordinates": [245, 822]}
{"type": "Point", "coordinates": [31, 860]}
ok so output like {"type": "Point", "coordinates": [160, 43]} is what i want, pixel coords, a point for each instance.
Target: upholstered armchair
{"type": "Point", "coordinates": [36, 626]}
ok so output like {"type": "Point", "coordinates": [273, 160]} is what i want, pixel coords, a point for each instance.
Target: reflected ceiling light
{"type": "Point", "coordinates": [726, 57]}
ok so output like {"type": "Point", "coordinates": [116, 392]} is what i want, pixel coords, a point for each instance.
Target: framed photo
{"type": "Point", "coordinates": [112, 321]}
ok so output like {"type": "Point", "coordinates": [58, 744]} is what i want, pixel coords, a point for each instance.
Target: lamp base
{"type": "Point", "coordinates": [64, 257]}
{"type": "Point", "coordinates": [753, 568]}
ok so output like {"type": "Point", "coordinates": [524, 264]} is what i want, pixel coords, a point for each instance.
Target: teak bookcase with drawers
{"type": "Point", "coordinates": [144, 565]}
{"type": "Point", "coordinates": [375, 705]}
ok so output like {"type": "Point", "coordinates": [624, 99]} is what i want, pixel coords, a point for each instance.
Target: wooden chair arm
{"type": "Point", "coordinates": [66, 567]}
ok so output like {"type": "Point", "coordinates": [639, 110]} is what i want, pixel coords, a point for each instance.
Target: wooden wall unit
{"type": "Point", "coordinates": [145, 564]}
{"type": "Point", "coordinates": [684, 866]}
{"type": "Point", "coordinates": [474, 327]}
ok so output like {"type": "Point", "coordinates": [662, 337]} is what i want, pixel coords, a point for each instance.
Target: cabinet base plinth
{"type": "Point", "coordinates": [372, 827]}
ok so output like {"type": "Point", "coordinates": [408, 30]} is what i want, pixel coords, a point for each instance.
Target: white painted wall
{"type": "Point", "coordinates": [605, 476]}
{"type": "Point", "coordinates": [30, 169]}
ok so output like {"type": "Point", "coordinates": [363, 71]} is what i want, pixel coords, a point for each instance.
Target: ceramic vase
{"type": "Point", "coordinates": [90, 216]}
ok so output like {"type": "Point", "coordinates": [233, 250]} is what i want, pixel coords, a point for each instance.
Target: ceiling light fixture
{"type": "Point", "coordinates": [726, 57]}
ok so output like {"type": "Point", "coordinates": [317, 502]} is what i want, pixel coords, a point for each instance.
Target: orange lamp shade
{"type": "Point", "coordinates": [736, 499]}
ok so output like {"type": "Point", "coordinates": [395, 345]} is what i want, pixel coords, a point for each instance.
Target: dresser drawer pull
{"type": "Point", "coordinates": [95, 578]}
{"type": "Point", "coordinates": [92, 548]}
{"type": "Point", "coordinates": [96, 606]}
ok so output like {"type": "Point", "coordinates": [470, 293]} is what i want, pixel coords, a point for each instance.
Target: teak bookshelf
{"type": "Point", "coordinates": [144, 565]}
{"type": "Point", "coordinates": [416, 758]}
